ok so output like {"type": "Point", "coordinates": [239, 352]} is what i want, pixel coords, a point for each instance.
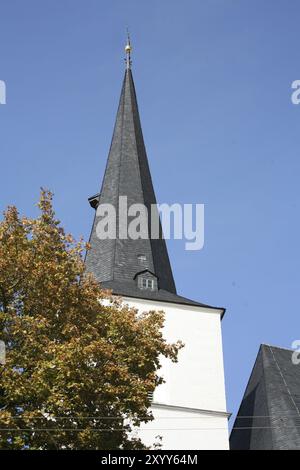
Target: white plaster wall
{"type": "Point", "coordinates": [196, 381]}
{"type": "Point", "coordinates": [182, 430]}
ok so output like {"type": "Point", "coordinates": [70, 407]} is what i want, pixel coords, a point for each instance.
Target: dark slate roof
{"type": "Point", "coordinates": [130, 289]}
{"type": "Point", "coordinates": [269, 415]}
{"type": "Point", "coordinates": [115, 263]}
{"type": "Point", "coordinates": [127, 174]}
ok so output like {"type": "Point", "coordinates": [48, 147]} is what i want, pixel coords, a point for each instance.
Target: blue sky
{"type": "Point", "coordinates": [213, 80]}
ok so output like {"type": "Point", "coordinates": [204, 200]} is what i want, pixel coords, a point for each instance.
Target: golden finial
{"type": "Point", "coordinates": [128, 50]}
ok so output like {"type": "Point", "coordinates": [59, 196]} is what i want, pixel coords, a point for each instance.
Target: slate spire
{"type": "Point", "coordinates": [118, 263]}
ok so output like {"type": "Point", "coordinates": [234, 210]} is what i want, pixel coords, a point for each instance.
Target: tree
{"type": "Point", "coordinates": [79, 364]}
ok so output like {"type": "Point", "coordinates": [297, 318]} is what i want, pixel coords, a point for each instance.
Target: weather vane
{"type": "Point", "coordinates": [128, 50]}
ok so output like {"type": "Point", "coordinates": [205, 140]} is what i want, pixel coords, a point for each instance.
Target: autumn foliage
{"type": "Point", "coordinates": [79, 364]}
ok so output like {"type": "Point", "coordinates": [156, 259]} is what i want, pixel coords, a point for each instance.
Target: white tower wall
{"type": "Point", "coordinates": [190, 408]}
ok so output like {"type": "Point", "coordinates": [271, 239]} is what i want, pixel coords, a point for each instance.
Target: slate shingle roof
{"type": "Point", "coordinates": [130, 289]}
{"type": "Point", "coordinates": [115, 263]}
{"type": "Point", "coordinates": [127, 174]}
{"type": "Point", "coordinates": [269, 415]}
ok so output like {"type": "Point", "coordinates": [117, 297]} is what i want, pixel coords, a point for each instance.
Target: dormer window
{"type": "Point", "coordinates": [146, 280]}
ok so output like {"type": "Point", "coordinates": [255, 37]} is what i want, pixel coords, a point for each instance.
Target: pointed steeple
{"type": "Point", "coordinates": [134, 268]}
{"type": "Point", "coordinates": [117, 263]}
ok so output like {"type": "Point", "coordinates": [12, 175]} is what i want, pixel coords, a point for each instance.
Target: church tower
{"type": "Point", "coordinates": [190, 407]}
